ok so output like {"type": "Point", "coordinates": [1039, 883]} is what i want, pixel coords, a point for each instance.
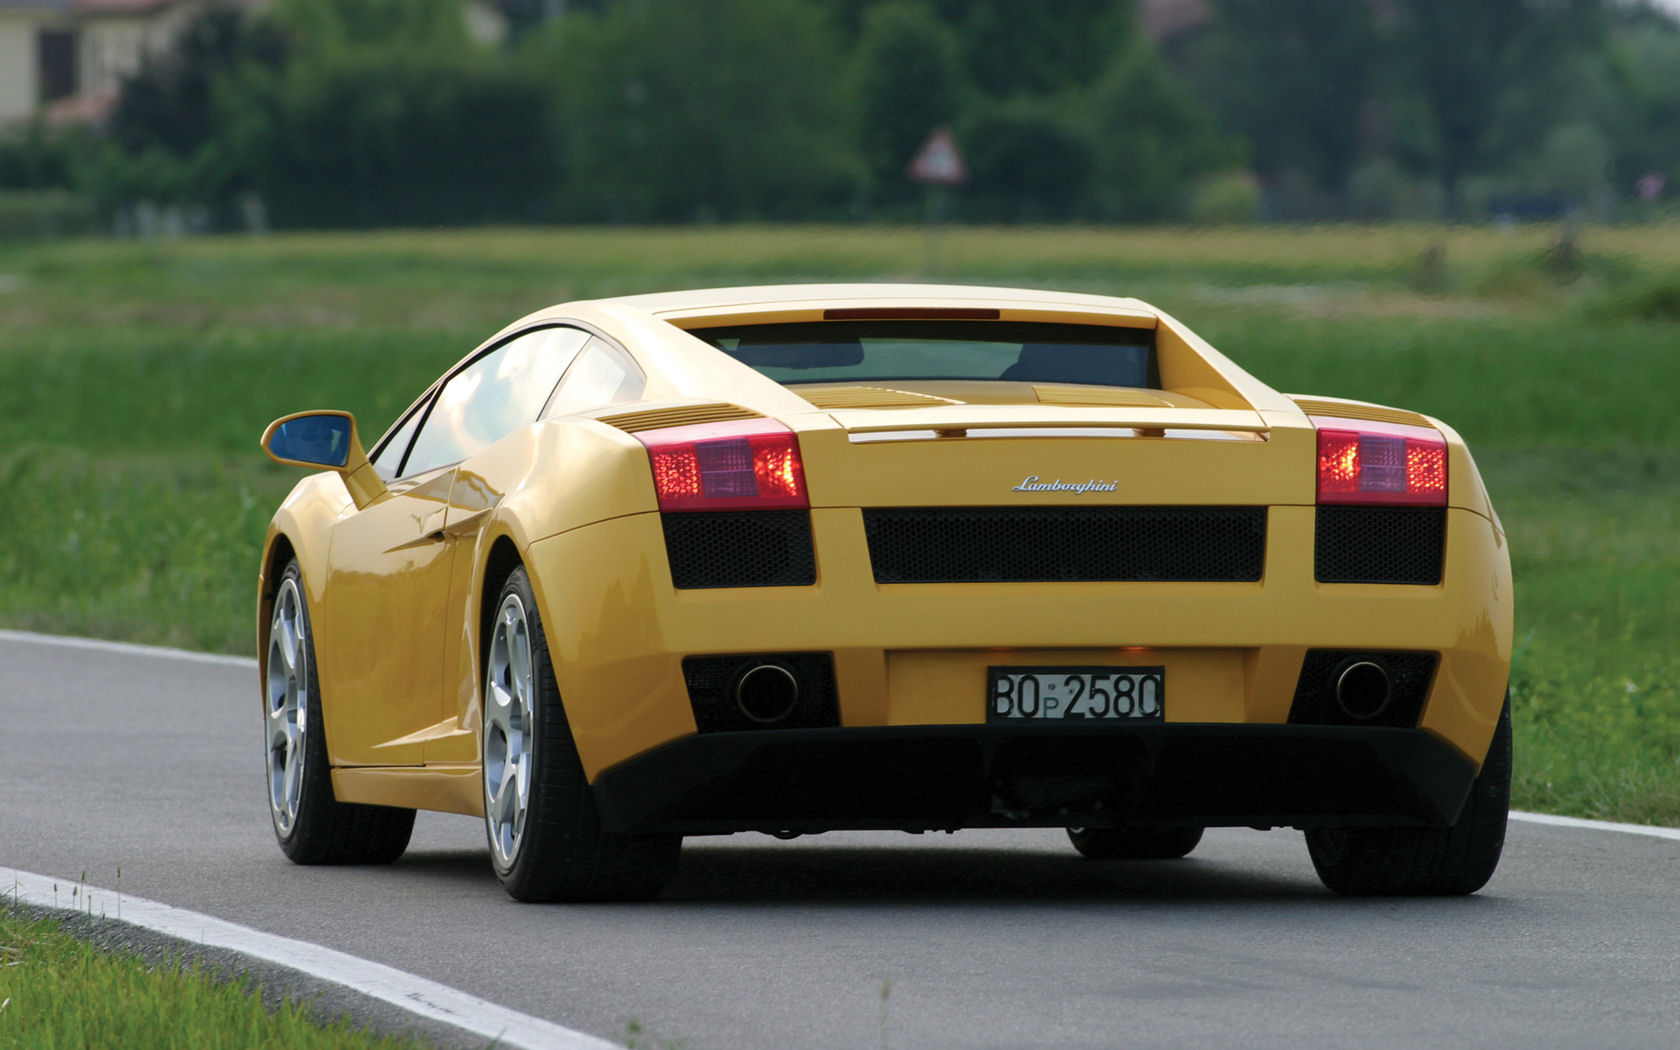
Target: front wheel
{"type": "Point", "coordinates": [546, 840]}
{"type": "Point", "coordinates": [312, 826]}
{"type": "Point", "coordinates": [1454, 860]}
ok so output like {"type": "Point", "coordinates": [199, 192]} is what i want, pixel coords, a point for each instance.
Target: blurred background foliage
{"type": "Point", "coordinates": [364, 113]}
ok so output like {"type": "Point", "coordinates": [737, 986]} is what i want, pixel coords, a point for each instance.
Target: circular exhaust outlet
{"type": "Point", "coordinates": [1362, 690]}
{"type": "Point", "coordinates": [766, 693]}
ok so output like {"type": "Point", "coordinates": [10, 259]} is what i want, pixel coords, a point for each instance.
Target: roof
{"type": "Point", "coordinates": [95, 7]}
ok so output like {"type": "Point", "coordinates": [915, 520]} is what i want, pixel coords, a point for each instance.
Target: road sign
{"type": "Point", "coordinates": [938, 161]}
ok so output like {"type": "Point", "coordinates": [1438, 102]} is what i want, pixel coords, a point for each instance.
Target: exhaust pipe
{"type": "Point", "coordinates": [1362, 690]}
{"type": "Point", "coordinates": [766, 693]}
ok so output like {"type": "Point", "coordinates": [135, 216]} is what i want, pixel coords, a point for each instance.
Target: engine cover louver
{"type": "Point", "coordinates": [1376, 413]}
{"type": "Point", "coordinates": [870, 397]}
{"type": "Point", "coordinates": [677, 416]}
{"type": "Point", "coordinates": [1067, 394]}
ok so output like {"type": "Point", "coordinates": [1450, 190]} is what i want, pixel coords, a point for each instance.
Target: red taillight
{"type": "Point", "coordinates": [1381, 463]}
{"type": "Point", "coordinates": [736, 465]}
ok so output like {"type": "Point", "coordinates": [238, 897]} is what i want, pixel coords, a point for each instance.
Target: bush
{"type": "Point", "coordinates": [1653, 301]}
{"type": "Point", "coordinates": [1155, 140]}
{"type": "Point", "coordinates": [684, 110]}
{"type": "Point", "coordinates": [36, 157]}
{"type": "Point", "coordinates": [910, 81]}
{"type": "Point", "coordinates": [1225, 200]}
{"type": "Point", "coordinates": [1027, 162]}
{"type": "Point", "coordinates": [45, 213]}
{"type": "Point", "coordinates": [368, 138]}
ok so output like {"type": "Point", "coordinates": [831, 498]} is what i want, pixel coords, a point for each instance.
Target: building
{"type": "Point", "coordinates": [65, 60]}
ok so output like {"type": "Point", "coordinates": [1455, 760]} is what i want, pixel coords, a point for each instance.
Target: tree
{"type": "Point", "coordinates": [366, 137]}
{"type": "Point", "coordinates": [1013, 48]}
{"type": "Point", "coordinates": [329, 28]}
{"type": "Point", "coordinates": [1029, 161]}
{"type": "Point", "coordinates": [168, 124]}
{"type": "Point", "coordinates": [1466, 59]}
{"type": "Point", "coordinates": [910, 81]}
{"type": "Point", "coordinates": [1295, 79]}
{"type": "Point", "coordinates": [675, 110]}
{"type": "Point", "coordinates": [1644, 67]}
{"type": "Point", "coordinates": [1155, 141]}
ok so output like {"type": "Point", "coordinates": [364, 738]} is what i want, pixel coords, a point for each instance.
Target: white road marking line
{"type": "Point", "coordinates": [126, 648]}
{"type": "Point", "coordinates": [415, 994]}
{"type": "Point", "coordinates": [1648, 830]}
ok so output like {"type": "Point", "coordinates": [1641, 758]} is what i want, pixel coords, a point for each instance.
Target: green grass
{"type": "Point", "coordinates": [59, 992]}
{"type": "Point", "coordinates": [135, 379]}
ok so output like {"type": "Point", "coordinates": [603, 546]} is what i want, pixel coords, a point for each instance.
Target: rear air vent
{"type": "Point", "coordinates": [1346, 410]}
{"type": "Point", "coordinates": [751, 548]}
{"type": "Point", "coordinates": [677, 416]}
{"type": "Point", "coordinates": [1379, 545]}
{"type": "Point", "coordinates": [869, 397]}
{"type": "Point", "coordinates": [1064, 544]}
{"type": "Point", "coordinates": [1066, 394]}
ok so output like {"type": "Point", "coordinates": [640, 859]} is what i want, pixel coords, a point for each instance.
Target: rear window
{"type": "Point", "coordinates": [894, 351]}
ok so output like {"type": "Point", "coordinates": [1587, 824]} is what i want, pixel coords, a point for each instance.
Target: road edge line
{"type": "Point", "coordinates": [126, 648]}
{"type": "Point", "coordinates": [1583, 824]}
{"type": "Point", "coordinates": [407, 991]}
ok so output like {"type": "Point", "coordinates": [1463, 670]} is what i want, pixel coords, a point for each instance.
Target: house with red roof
{"type": "Point", "coordinates": [65, 60]}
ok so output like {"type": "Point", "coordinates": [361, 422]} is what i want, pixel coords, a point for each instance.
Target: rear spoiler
{"type": "Point", "coordinates": [961, 418]}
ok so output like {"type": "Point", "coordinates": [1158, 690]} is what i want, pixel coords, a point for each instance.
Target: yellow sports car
{"type": "Point", "coordinates": [806, 558]}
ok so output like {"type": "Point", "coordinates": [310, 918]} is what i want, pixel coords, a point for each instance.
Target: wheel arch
{"type": "Point", "coordinates": [500, 560]}
{"type": "Point", "coordinates": [289, 537]}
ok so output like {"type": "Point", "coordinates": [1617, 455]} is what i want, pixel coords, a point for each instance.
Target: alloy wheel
{"type": "Point", "coordinates": [288, 705]}
{"type": "Point", "coordinates": [509, 721]}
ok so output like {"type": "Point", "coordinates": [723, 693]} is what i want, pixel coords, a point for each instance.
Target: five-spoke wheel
{"type": "Point", "coordinates": [546, 839]}
{"type": "Point", "coordinates": [509, 717]}
{"type": "Point", "coordinates": [288, 705]}
{"type": "Point", "coordinates": [313, 827]}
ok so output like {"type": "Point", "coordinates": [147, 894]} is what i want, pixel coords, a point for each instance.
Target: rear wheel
{"type": "Point", "coordinates": [312, 826]}
{"type": "Point", "coordinates": [546, 841]}
{"type": "Point", "coordinates": [1458, 859]}
{"type": "Point", "coordinates": [1134, 843]}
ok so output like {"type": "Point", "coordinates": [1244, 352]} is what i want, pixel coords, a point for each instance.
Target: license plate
{"type": "Point", "coordinates": [1049, 694]}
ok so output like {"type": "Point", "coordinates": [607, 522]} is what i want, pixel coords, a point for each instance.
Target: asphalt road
{"type": "Point", "coordinates": [151, 764]}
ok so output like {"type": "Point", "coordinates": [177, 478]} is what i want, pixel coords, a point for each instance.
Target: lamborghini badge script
{"type": "Point", "coordinates": [1032, 484]}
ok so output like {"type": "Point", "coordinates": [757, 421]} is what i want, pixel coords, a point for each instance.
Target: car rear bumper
{"type": "Point", "coordinates": [923, 778]}
{"type": "Point", "coordinates": [917, 655]}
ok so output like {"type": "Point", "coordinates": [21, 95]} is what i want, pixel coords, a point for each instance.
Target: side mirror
{"type": "Point", "coordinates": [325, 440]}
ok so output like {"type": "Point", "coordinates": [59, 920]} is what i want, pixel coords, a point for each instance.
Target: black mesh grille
{"type": "Point", "coordinates": [1379, 544]}
{"type": "Point", "coordinates": [1019, 544]}
{"type": "Point", "coordinates": [711, 690]}
{"type": "Point", "coordinates": [1409, 676]}
{"type": "Point", "coordinates": [751, 548]}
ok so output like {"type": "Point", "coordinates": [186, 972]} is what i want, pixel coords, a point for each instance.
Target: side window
{"type": "Point", "coordinates": [494, 396]}
{"type": "Point", "coordinates": [389, 457]}
{"type": "Point", "coordinates": [600, 376]}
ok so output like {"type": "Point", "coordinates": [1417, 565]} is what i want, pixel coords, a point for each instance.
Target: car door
{"type": "Point", "coordinates": [383, 622]}
{"type": "Point", "coordinates": [391, 563]}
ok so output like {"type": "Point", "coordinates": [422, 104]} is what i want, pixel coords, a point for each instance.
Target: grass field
{"type": "Point", "coordinates": [136, 377]}
{"type": "Point", "coordinates": [60, 992]}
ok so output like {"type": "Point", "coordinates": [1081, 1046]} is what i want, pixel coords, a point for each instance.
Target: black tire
{"type": "Point", "coordinates": [560, 852]}
{"type": "Point", "coordinates": [1450, 861]}
{"type": "Point", "coordinates": [1134, 843]}
{"type": "Point", "coordinates": [322, 830]}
